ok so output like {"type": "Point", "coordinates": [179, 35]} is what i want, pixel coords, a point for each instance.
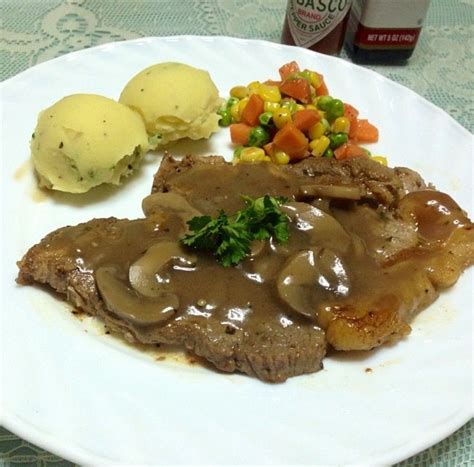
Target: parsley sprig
{"type": "Point", "coordinates": [229, 237]}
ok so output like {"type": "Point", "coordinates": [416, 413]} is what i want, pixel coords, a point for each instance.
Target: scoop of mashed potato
{"type": "Point", "coordinates": [175, 100]}
{"type": "Point", "coordinates": [84, 140]}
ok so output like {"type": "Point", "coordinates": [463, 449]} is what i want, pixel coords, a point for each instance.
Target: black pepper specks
{"type": "Point", "coordinates": [61, 145]}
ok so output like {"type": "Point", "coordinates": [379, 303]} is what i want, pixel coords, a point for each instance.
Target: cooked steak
{"type": "Point", "coordinates": [267, 347]}
{"type": "Point", "coordinates": [369, 246]}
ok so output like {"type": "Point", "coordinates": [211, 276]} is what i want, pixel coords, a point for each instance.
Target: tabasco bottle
{"type": "Point", "coordinates": [319, 25]}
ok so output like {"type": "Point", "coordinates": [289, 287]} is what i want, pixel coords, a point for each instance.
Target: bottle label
{"type": "Point", "coordinates": [312, 20]}
{"type": "Point", "coordinates": [386, 24]}
{"type": "Point", "coordinates": [384, 38]}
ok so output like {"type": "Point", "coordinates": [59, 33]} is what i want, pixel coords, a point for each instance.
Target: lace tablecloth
{"type": "Point", "coordinates": [441, 70]}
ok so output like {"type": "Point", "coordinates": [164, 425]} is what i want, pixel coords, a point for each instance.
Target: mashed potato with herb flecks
{"type": "Point", "coordinates": [175, 100]}
{"type": "Point", "coordinates": [84, 140]}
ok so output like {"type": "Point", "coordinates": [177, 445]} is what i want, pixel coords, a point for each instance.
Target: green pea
{"type": "Point", "coordinates": [306, 74]}
{"type": "Point", "coordinates": [328, 153]}
{"type": "Point", "coordinates": [337, 139]}
{"type": "Point", "coordinates": [237, 152]}
{"type": "Point", "coordinates": [265, 118]}
{"type": "Point", "coordinates": [335, 109]}
{"type": "Point", "coordinates": [258, 137]}
{"type": "Point", "coordinates": [226, 118]}
{"type": "Point", "coordinates": [231, 101]}
{"type": "Point", "coordinates": [323, 102]}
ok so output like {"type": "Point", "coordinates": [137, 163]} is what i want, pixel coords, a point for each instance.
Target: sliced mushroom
{"type": "Point", "coordinates": [264, 261]}
{"type": "Point", "coordinates": [172, 203]}
{"type": "Point", "coordinates": [311, 276]}
{"type": "Point", "coordinates": [127, 304]}
{"type": "Point", "coordinates": [323, 229]}
{"type": "Point", "coordinates": [321, 203]}
{"type": "Point", "coordinates": [331, 191]}
{"type": "Point", "coordinates": [144, 274]}
{"type": "Point", "coordinates": [435, 214]}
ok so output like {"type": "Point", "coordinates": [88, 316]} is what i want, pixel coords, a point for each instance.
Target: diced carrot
{"type": "Point", "coordinates": [305, 119]}
{"type": "Point", "coordinates": [292, 141]}
{"type": "Point", "coordinates": [353, 129]}
{"type": "Point", "coordinates": [348, 150]}
{"type": "Point", "coordinates": [353, 150]}
{"type": "Point", "coordinates": [252, 110]}
{"type": "Point", "coordinates": [288, 69]}
{"type": "Point", "coordinates": [297, 88]}
{"type": "Point", "coordinates": [271, 82]}
{"type": "Point", "coordinates": [366, 132]}
{"type": "Point", "coordinates": [268, 148]}
{"type": "Point", "coordinates": [350, 112]}
{"type": "Point", "coordinates": [341, 152]}
{"type": "Point", "coordinates": [322, 90]}
{"type": "Point", "coordinates": [239, 133]}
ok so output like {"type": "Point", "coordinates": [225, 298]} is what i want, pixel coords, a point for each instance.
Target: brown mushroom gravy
{"type": "Point", "coordinates": [352, 273]}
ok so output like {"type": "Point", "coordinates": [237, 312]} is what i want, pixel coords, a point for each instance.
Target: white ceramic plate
{"type": "Point", "coordinates": [90, 398]}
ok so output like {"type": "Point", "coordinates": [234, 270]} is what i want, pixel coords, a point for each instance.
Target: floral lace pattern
{"type": "Point", "coordinates": [441, 70]}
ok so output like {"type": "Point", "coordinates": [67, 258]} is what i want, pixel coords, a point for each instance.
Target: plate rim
{"type": "Point", "coordinates": [69, 450]}
{"type": "Point", "coordinates": [73, 453]}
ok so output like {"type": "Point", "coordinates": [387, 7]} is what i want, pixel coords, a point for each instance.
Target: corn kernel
{"type": "Point", "coordinates": [266, 159]}
{"type": "Point", "coordinates": [252, 154]}
{"type": "Point", "coordinates": [281, 117]}
{"type": "Point", "coordinates": [322, 113]}
{"type": "Point", "coordinates": [269, 93]}
{"type": "Point", "coordinates": [380, 159]}
{"type": "Point", "coordinates": [311, 106]}
{"type": "Point", "coordinates": [239, 92]}
{"type": "Point", "coordinates": [299, 107]}
{"type": "Point", "coordinates": [235, 112]}
{"type": "Point", "coordinates": [318, 146]}
{"type": "Point", "coordinates": [315, 81]}
{"type": "Point", "coordinates": [253, 87]}
{"type": "Point", "coordinates": [317, 130]}
{"type": "Point", "coordinates": [270, 106]}
{"type": "Point", "coordinates": [341, 125]}
{"type": "Point", "coordinates": [325, 123]}
{"type": "Point", "coordinates": [281, 157]}
{"type": "Point", "coordinates": [242, 103]}
{"type": "Point", "coordinates": [288, 104]}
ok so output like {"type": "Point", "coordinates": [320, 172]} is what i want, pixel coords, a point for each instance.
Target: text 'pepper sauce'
{"type": "Point", "coordinates": [319, 25]}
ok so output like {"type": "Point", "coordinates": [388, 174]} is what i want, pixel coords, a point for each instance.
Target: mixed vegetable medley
{"type": "Point", "coordinates": [293, 118]}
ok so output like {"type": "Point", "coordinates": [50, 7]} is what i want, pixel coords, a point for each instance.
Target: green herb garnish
{"type": "Point", "coordinates": [229, 237]}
